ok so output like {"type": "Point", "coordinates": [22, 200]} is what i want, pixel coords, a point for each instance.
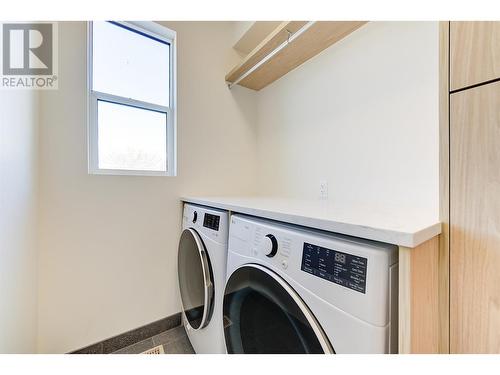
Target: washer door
{"type": "Point", "coordinates": [265, 315]}
{"type": "Point", "coordinates": [195, 279]}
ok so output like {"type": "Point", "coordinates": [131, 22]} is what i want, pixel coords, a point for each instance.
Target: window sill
{"type": "Point", "coordinates": [125, 172]}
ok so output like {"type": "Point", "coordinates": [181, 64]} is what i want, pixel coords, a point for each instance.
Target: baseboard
{"type": "Point", "coordinates": [131, 337]}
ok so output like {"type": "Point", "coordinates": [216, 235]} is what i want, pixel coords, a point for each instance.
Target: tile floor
{"type": "Point", "coordinates": [174, 341]}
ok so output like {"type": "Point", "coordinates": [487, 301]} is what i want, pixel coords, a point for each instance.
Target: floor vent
{"type": "Point", "coordinates": [156, 350]}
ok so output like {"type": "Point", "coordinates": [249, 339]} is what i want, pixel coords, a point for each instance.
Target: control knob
{"type": "Point", "coordinates": [270, 245]}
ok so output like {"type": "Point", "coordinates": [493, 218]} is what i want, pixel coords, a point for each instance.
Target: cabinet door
{"type": "Point", "coordinates": [475, 53]}
{"type": "Point", "coordinates": [475, 220]}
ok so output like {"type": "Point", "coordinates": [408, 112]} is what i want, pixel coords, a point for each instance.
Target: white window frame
{"type": "Point", "coordinates": [164, 34]}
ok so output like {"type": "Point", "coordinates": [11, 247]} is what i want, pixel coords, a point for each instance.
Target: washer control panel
{"type": "Point", "coordinates": [211, 221]}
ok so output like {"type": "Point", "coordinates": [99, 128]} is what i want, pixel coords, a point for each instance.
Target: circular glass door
{"type": "Point", "coordinates": [264, 315]}
{"type": "Point", "coordinates": [195, 279]}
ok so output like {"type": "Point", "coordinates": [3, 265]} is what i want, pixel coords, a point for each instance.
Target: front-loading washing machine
{"type": "Point", "coordinates": [295, 290]}
{"type": "Point", "coordinates": [202, 271]}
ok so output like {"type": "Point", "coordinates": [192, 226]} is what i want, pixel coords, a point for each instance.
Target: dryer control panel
{"type": "Point", "coordinates": [340, 268]}
{"type": "Point", "coordinates": [349, 273]}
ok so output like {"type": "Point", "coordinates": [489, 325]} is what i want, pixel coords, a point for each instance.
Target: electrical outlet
{"type": "Point", "coordinates": [323, 189]}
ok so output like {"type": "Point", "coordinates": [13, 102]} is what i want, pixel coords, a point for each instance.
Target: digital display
{"type": "Point", "coordinates": [340, 268]}
{"type": "Point", "coordinates": [211, 221]}
{"type": "Point", "coordinates": [340, 257]}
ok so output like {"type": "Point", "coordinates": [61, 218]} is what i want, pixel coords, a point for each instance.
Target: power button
{"type": "Point", "coordinates": [284, 264]}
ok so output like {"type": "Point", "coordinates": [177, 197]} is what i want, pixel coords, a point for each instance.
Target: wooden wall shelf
{"type": "Point", "coordinates": [315, 39]}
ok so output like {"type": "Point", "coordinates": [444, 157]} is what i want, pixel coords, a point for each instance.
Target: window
{"type": "Point", "coordinates": [131, 93]}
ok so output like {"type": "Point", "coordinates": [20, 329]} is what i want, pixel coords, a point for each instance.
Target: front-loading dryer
{"type": "Point", "coordinates": [295, 290]}
{"type": "Point", "coordinates": [202, 271]}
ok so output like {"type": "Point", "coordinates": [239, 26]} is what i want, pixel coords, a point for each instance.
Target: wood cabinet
{"type": "Point", "coordinates": [419, 289]}
{"type": "Point", "coordinates": [475, 220]}
{"type": "Point", "coordinates": [474, 52]}
{"type": "Point", "coordinates": [470, 186]}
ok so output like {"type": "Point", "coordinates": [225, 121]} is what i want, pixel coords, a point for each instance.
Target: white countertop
{"type": "Point", "coordinates": [408, 228]}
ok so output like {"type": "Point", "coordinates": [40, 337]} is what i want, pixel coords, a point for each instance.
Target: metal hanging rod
{"type": "Point", "coordinates": [290, 39]}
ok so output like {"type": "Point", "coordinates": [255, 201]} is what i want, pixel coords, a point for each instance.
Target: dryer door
{"type": "Point", "coordinates": [265, 315]}
{"type": "Point", "coordinates": [195, 279]}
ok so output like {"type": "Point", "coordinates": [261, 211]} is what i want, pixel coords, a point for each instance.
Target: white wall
{"type": "Point", "coordinates": [108, 246]}
{"type": "Point", "coordinates": [18, 216]}
{"type": "Point", "coordinates": [362, 115]}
